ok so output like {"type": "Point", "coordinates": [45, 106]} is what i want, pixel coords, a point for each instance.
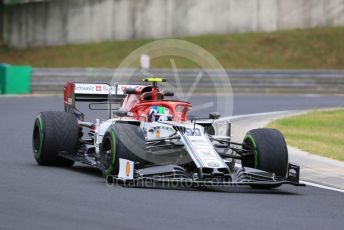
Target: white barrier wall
{"type": "Point", "coordinates": [58, 22]}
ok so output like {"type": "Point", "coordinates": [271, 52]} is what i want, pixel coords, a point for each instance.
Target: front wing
{"type": "Point", "coordinates": [173, 175]}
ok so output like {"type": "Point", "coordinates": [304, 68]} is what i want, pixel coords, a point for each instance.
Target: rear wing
{"type": "Point", "coordinates": [92, 92]}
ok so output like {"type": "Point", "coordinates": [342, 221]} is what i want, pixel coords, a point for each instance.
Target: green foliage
{"type": "Point", "coordinates": [319, 48]}
{"type": "Point", "coordinates": [316, 132]}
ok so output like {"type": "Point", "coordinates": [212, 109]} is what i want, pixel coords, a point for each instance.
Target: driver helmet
{"type": "Point", "coordinates": [159, 113]}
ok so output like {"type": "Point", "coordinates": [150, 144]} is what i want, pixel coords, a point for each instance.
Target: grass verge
{"type": "Point", "coordinates": [319, 48]}
{"type": "Point", "coordinates": [318, 132]}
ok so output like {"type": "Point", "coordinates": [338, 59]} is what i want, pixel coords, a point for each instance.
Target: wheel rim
{"type": "Point", "coordinates": [250, 145]}
{"type": "Point", "coordinates": [37, 139]}
{"type": "Point", "coordinates": [107, 158]}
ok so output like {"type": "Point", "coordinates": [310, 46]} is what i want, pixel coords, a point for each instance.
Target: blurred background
{"type": "Point", "coordinates": [257, 41]}
{"type": "Point", "coordinates": [282, 57]}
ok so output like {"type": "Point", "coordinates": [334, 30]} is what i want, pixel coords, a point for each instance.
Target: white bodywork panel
{"type": "Point", "coordinates": [203, 151]}
{"type": "Point", "coordinates": [156, 130]}
{"type": "Point", "coordinates": [196, 142]}
{"type": "Point", "coordinates": [126, 169]}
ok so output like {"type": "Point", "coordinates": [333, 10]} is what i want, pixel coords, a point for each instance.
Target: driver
{"type": "Point", "coordinates": [159, 113]}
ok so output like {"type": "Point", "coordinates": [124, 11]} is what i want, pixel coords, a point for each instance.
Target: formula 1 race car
{"type": "Point", "coordinates": [149, 138]}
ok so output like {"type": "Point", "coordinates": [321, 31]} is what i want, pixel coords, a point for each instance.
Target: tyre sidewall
{"type": "Point", "coordinates": [270, 150]}
{"type": "Point", "coordinates": [113, 162]}
{"type": "Point", "coordinates": [127, 142]}
{"type": "Point", "coordinates": [38, 130]}
{"type": "Point", "coordinates": [58, 131]}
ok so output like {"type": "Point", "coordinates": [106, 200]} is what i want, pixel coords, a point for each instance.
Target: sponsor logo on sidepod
{"type": "Point", "coordinates": [213, 164]}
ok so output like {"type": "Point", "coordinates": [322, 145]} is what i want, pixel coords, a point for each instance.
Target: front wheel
{"type": "Point", "coordinates": [270, 152]}
{"type": "Point", "coordinates": [121, 140]}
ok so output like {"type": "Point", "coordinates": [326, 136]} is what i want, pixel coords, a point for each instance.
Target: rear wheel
{"type": "Point", "coordinates": [121, 140]}
{"type": "Point", "coordinates": [270, 152]}
{"type": "Point", "coordinates": [54, 132]}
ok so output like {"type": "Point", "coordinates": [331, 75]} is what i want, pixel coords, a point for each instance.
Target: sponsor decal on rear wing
{"type": "Point", "coordinates": [93, 92]}
{"type": "Point", "coordinates": [86, 88]}
{"type": "Point", "coordinates": [98, 89]}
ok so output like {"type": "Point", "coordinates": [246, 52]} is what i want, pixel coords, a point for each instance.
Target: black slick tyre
{"type": "Point", "coordinates": [54, 132]}
{"type": "Point", "coordinates": [270, 152]}
{"type": "Point", "coordinates": [121, 140]}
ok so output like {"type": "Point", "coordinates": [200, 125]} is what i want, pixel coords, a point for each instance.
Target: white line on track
{"type": "Point", "coordinates": [276, 113]}
{"type": "Point", "coordinates": [255, 115]}
{"type": "Point", "coordinates": [321, 186]}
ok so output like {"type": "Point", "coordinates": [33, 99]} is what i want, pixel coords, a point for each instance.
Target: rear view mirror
{"type": "Point", "coordinates": [130, 90]}
{"type": "Point", "coordinates": [168, 93]}
{"type": "Point", "coordinates": [214, 115]}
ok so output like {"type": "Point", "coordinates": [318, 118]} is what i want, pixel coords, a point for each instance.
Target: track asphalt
{"type": "Point", "coordinates": [33, 197]}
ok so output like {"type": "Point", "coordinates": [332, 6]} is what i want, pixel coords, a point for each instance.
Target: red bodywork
{"type": "Point", "coordinates": [145, 97]}
{"type": "Point", "coordinates": [138, 102]}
